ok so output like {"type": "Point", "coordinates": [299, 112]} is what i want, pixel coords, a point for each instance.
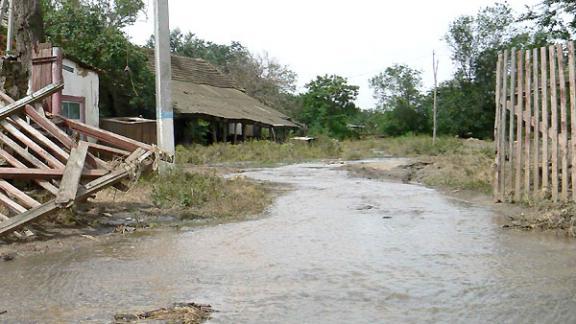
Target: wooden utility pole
{"type": "Point", "coordinates": [435, 111]}
{"type": "Point", "coordinates": [164, 109]}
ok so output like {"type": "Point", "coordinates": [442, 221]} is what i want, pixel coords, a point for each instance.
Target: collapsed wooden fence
{"type": "Point", "coordinates": [49, 162]}
{"type": "Point", "coordinates": [535, 124]}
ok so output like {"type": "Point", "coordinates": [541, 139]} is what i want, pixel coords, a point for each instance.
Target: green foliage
{"type": "Point", "coordinates": [207, 195]}
{"type": "Point", "coordinates": [328, 105]}
{"type": "Point", "coordinates": [398, 84]}
{"type": "Point", "coordinates": [91, 32]}
{"type": "Point", "coordinates": [557, 17]}
{"type": "Point", "coordinates": [397, 90]}
{"type": "Point", "coordinates": [184, 189]}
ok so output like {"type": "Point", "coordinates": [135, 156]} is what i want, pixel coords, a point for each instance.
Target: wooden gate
{"type": "Point", "coordinates": [535, 125]}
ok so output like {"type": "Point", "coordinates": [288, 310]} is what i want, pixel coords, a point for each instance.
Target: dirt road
{"type": "Point", "coordinates": [335, 249]}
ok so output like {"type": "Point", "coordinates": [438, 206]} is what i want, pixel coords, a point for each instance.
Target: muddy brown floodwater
{"type": "Point", "coordinates": [336, 249]}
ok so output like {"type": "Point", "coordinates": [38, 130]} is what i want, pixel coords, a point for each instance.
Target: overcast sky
{"type": "Point", "coordinates": [355, 39]}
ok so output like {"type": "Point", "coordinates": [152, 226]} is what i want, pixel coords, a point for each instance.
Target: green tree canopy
{"type": "Point", "coordinates": [398, 83]}
{"type": "Point", "coordinates": [328, 105]}
{"type": "Point", "coordinates": [91, 31]}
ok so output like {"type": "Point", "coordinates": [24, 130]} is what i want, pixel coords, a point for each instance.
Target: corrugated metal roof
{"type": "Point", "coordinates": [200, 88]}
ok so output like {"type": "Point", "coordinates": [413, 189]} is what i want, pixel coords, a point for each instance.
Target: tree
{"type": "Point", "coordinates": [397, 90]}
{"type": "Point", "coordinates": [558, 17]}
{"type": "Point", "coordinates": [328, 105]}
{"type": "Point", "coordinates": [28, 26]}
{"type": "Point", "coordinates": [397, 83]}
{"type": "Point", "coordinates": [470, 37]}
{"type": "Point", "coordinates": [92, 32]}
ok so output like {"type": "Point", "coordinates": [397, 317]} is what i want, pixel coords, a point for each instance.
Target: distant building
{"type": "Point", "coordinates": [79, 98]}
{"type": "Point", "coordinates": [201, 92]}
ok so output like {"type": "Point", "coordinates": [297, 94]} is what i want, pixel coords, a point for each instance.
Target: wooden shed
{"type": "Point", "coordinates": [136, 128]}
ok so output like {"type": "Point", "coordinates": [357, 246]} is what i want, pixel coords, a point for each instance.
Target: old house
{"type": "Point", "coordinates": [201, 92]}
{"type": "Point", "coordinates": [79, 98]}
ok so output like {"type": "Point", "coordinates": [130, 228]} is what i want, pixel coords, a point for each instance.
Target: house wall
{"type": "Point", "coordinates": [82, 83]}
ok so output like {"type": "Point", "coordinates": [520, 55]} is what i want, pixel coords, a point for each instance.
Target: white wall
{"type": "Point", "coordinates": [82, 83]}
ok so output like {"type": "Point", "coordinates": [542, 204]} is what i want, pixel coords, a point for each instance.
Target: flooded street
{"type": "Point", "coordinates": [336, 249]}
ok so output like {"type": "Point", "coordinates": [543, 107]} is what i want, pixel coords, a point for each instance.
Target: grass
{"type": "Point", "coordinates": [258, 152]}
{"type": "Point", "coordinates": [207, 195]}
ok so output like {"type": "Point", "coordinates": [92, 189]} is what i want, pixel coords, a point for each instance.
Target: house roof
{"type": "Point", "coordinates": [199, 88]}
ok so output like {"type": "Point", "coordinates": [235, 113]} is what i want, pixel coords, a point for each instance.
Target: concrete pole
{"type": "Point", "coordinates": [10, 35]}
{"type": "Point", "coordinates": [164, 109]}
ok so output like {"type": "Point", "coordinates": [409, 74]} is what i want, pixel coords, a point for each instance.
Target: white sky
{"type": "Point", "coordinates": [355, 39]}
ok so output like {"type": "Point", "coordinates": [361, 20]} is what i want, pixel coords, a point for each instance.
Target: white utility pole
{"type": "Point", "coordinates": [435, 68]}
{"type": "Point", "coordinates": [10, 35]}
{"type": "Point", "coordinates": [164, 109]}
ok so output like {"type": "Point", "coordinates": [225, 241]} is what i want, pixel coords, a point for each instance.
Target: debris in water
{"type": "Point", "coordinates": [3, 312]}
{"type": "Point", "coordinates": [189, 313]}
{"type": "Point", "coordinates": [386, 217]}
{"type": "Point", "coordinates": [366, 207]}
{"type": "Point", "coordinates": [7, 256]}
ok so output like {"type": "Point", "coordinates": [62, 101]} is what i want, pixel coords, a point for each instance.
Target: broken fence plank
{"type": "Point", "coordinates": [24, 199]}
{"type": "Point", "coordinates": [11, 204]}
{"type": "Point", "coordinates": [56, 132]}
{"type": "Point", "coordinates": [57, 150]}
{"type": "Point", "coordinates": [106, 136]}
{"type": "Point", "coordinates": [38, 95]}
{"type": "Point", "coordinates": [26, 173]}
{"type": "Point", "coordinates": [72, 174]}
{"type": "Point", "coordinates": [16, 163]}
{"type": "Point", "coordinates": [107, 149]}
{"type": "Point", "coordinates": [12, 130]}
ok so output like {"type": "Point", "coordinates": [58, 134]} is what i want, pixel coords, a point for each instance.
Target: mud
{"type": "Point", "coordinates": [336, 249]}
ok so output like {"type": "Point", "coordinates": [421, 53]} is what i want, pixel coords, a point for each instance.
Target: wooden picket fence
{"type": "Point", "coordinates": [535, 125]}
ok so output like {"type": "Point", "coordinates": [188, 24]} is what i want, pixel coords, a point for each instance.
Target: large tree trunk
{"type": "Point", "coordinates": [29, 31]}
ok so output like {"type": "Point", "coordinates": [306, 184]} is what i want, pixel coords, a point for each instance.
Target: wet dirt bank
{"type": "Point", "coordinates": [336, 249]}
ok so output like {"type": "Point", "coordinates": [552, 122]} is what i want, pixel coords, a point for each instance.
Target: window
{"type": "Point", "coordinates": [71, 110]}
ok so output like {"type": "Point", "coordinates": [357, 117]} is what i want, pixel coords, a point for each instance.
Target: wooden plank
{"type": "Point", "coordinates": [563, 141]}
{"type": "Point", "coordinates": [107, 150]}
{"type": "Point", "coordinates": [24, 199]}
{"type": "Point", "coordinates": [519, 122]}
{"type": "Point", "coordinates": [26, 173]}
{"type": "Point", "coordinates": [503, 112]}
{"type": "Point", "coordinates": [536, 105]}
{"type": "Point", "coordinates": [36, 96]}
{"type": "Point", "coordinates": [545, 119]}
{"type": "Point", "coordinates": [57, 133]}
{"type": "Point", "coordinates": [511, 118]}
{"type": "Point", "coordinates": [527, 126]}
{"type": "Point", "coordinates": [50, 160]}
{"type": "Point", "coordinates": [16, 163]}
{"type": "Point", "coordinates": [572, 81]}
{"type": "Point", "coordinates": [22, 152]}
{"type": "Point", "coordinates": [553, 121]}
{"type": "Point", "coordinates": [497, 166]}
{"type": "Point", "coordinates": [38, 136]}
{"type": "Point", "coordinates": [72, 174]}
{"type": "Point", "coordinates": [106, 136]}
{"type": "Point", "coordinates": [11, 204]}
